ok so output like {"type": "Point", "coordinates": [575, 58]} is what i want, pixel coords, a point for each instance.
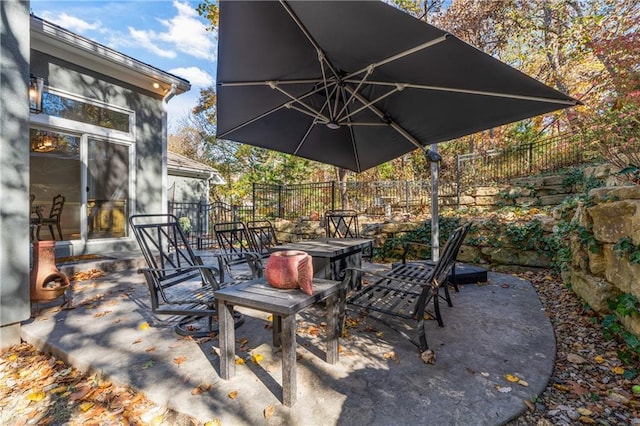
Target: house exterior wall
{"type": "Point", "coordinates": [147, 167]}
{"type": "Point", "coordinates": [14, 170]}
{"type": "Point", "coordinates": [183, 189]}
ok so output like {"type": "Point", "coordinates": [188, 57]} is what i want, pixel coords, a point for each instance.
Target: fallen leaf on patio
{"type": "Point", "coordinates": [561, 387]}
{"type": "Point", "coordinates": [256, 358]}
{"type": "Point", "coordinates": [243, 341]}
{"type": "Point", "coordinates": [179, 360]}
{"type": "Point", "coordinates": [148, 364]}
{"type": "Point", "coordinates": [201, 389]}
{"type": "Point", "coordinates": [618, 370]}
{"type": "Point", "coordinates": [599, 359]}
{"type": "Point", "coordinates": [136, 341]}
{"type": "Point", "coordinates": [503, 389]}
{"type": "Point", "coordinates": [80, 393]}
{"type": "Point", "coordinates": [575, 359]}
{"type": "Point", "coordinates": [511, 378]}
{"type": "Point", "coordinates": [239, 361]}
{"type": "Point", "coordinates": [143, 326]}
{"type": "Point", "coordinates": [36, 396]}
{"type": "Point", "coordinates": [584, 411]}
{"type": "Point", "coordinates": [484, 374]}
{"type": "Point", "coordinates": [214, 422]}
{"type": "Point", "coordinates": [428, 357]}
{"type": "Point", "coordinates": [270, 318]}
{"type": "Point", "coordinates": [523, 383]}
{"type": "Point", "coordinates": [530, 405]}
{"type": "Point", "coordinates": [59, 389]}
{"type": "Point", "coordinates": [233, 394]}
{"type": "Point", "coordinates": [390, 355]}
{"type": "Point", "coordinates": [86, 405]}
{"type": "Point", "coordinates": [150, 349]}
{"type": "Point", "coordinates": [586, 420]}
{"type": "Point", "coordinates": [268, 412]}
{"type": "Point", "coordinates": [578, 389]}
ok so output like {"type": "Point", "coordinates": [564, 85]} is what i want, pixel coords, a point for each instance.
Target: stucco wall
{"type": "Point", "coordinates": [14, 176]}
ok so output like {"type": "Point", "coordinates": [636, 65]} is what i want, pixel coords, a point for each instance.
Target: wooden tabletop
{"type": "Point", "coordinates": [258, 294]}
{"type": "Point", "coordinates": [326, 247]}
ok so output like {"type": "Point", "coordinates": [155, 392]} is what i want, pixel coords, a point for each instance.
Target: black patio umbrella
{"type": "Point", "coordinates": [358, 83]}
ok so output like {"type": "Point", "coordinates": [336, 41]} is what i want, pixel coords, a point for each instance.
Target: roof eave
{"type": "Point", "coordinates": [57, 41]}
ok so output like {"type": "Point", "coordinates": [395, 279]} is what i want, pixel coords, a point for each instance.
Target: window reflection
{"type": "Point", "coordinates": [60, 106]}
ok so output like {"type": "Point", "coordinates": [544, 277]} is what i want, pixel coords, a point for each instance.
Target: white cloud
{"type": "Point", "coordinates": [71, 22]}
{"type": "Point", "coordinates": [187, 32]}
{"type": "Point", "coordinates": [144, 39]}
{"type": "Point", "coordinates": [196, 76]}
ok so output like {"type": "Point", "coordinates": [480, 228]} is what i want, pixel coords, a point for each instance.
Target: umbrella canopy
{"type": "Point", "coordinates": [356, 84]}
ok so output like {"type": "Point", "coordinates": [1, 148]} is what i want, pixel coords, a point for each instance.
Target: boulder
{"type": "Point", "coordinates": [516, 256]}
{"type": "Point", "coordinates": [593, 290]}
{"type": "Point", "coordinates": [620, 271]}
{"type": "Point", "coordinates": [607, 194]}
{"type": "Point", "coordinates": [615, 220]}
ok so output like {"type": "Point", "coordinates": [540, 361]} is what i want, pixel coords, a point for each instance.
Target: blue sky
{"type": "Point", "coordinates": [167, 34]}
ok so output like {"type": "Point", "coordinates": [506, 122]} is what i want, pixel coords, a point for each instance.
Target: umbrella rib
{"type": "Point", "coordinates": [368, 104]}
{"type": "Point", "coordinates": [307, 35]}
{"type": "Point", "coordinates": [304, 138]}
{"type": "Point", "coordinates": [310, 109]}
{"type": "Point", "coordinates": [266, 83]}
{"type": "Point", "coordinates": [476, 92]}
{"type": "Point", "coordinates": [402, 54]}
{"type": "Point", "coordinates": [392, 123]}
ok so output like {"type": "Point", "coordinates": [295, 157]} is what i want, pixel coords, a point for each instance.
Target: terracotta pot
{"type": "Point", "coordinates": [290, 269]}
{"type": "Point", "coordinates": [47, 282]}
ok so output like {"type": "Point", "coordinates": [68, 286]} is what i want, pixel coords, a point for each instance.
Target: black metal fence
{"type": "Point", "coordinates": [385, 197]}
{"type": "Point", "coordinates": [496, 166]}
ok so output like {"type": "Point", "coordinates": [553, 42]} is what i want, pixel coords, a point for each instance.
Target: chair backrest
{"type": "Point", "coordinates": [234, 241]}
{"type": "Point", "coordinates": [166, 249]}
{"type": "Point", "coordinates": [263, 236]}
{"type": "Point", "coordinates": [341, 224]}
{"type": "Point", "coordinates": [56, 207]}
{"type": "Point", "coordinates": [449, 253]}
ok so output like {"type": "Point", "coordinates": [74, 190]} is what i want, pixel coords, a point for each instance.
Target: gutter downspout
{"type": "Point", "coordinates": [165, 100]}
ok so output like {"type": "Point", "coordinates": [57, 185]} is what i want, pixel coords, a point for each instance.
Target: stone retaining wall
{"type": "Point", "coordinates": [599, 271]}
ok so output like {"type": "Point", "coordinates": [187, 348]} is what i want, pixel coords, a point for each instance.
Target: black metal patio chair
{"type": "Point", "coordinates": [263, 236]}
{"type": "Point", "coordinates": [405, 290]}
{"type": "Point", "coordinates": [178, 281]}
{"type": "Point", "coordinates": [344, 224]}
{"type": "Point", "coordinates": [237, 249]}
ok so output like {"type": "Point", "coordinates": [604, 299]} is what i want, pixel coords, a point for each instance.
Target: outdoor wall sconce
{"type": "Point", "coordinates": [36, 86]}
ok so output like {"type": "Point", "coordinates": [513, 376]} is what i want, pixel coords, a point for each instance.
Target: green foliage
{"type": "Point", "coordinates": [625, 247]}
{"type": "Point", "coordinates": [392, 247]}
{"type": "Point", "coordinates": [624, 305]}
{"type": "Point", "coordinates": [185, 224]}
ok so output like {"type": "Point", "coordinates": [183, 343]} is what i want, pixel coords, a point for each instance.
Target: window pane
{"type": "Point", "coordinates": [107, 189]}
{"type": "Point", "coordinates": [59, 106]}
{"type": "Point", "coordinates": [55, 170]}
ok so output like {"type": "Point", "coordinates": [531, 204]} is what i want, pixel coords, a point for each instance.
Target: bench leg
{"type": "Point", "coordinates": [289, 379]}
{"type": "Point", "coordinates": [227, 339]}
{"type": "Point", "coordinates": [334, 324]}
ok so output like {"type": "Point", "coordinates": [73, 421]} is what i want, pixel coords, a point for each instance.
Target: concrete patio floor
{"type": "Point", "coordinates": [495, 329]}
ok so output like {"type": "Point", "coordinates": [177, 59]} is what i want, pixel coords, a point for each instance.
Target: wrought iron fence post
{"type": "Point", "coordinates": [457, 181]}
{"type": "Point", "coordinates": [333, 195]}
{"type": "Point", "coordinates": [407, 195]}
{"type": "Point", "coordinates": [530, 156]}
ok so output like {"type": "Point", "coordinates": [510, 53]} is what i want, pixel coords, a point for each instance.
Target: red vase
{"type": "Point", "coordinates": [290, 269]}
{"type": "Point", "coordinates": [46, 281]}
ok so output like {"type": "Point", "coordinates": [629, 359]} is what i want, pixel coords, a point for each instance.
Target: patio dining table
{"type": "Point", "coordinates": [331, 256]}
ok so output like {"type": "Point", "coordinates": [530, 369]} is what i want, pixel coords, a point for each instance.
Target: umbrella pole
{"type": "Point", "coordinates": [435, 231]}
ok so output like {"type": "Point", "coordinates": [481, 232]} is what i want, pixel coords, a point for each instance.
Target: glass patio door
{"type": "Point", "coordinates": [92, 177]}
{"type": "Point", "coordinates": [107, 189]}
